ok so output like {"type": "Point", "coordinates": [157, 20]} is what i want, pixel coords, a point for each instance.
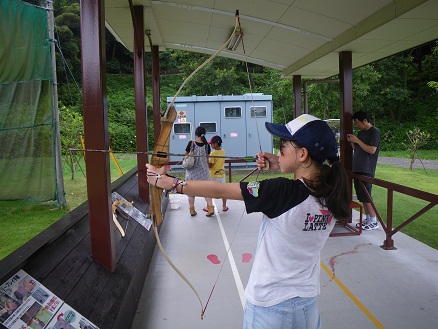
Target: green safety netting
{"type": "Point", "coordinates": [28, 164]}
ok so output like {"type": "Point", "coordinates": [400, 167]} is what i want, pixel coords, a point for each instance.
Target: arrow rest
{"type": "Point", "coordinates": [162, 154]}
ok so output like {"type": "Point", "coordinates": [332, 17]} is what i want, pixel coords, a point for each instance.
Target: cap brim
{"type": "Point", "coordinates": [278, 130]}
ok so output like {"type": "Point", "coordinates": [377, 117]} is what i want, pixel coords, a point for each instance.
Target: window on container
{"type": "Point", "coordinates": [181, 128]}
{"type": "Point", "coordinates": [210, 127]}
{"type": "Point", "coordinates": [257, 111]}
{"type": "Point", "coordinates": [233, 112]}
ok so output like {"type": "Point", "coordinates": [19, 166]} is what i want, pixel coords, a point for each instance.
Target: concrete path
{"type": "Point", "coordinates": [402, 162]}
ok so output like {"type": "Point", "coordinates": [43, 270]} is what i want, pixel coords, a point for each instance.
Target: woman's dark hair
{"type": "Point", "coordinates": [200, 132]}
{"type": "Point", "coordinates": [332, 189]}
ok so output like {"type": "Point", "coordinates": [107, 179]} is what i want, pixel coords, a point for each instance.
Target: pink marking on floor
{"type": "Point", "coordinates": [246, 257]}
{"type": "Point", "coordinates": [214, 259]}
{"type": "Point", "coordinates": [334, 259]}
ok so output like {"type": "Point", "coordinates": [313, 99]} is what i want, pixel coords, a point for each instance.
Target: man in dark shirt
{"type": "Point", "coordinates": [366, 146]}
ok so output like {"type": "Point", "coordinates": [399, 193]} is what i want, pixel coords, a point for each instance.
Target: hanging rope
{"type": "Point", "coordinates": [249, 174]}
{"type": "Point", "coordinates": [170, 106]}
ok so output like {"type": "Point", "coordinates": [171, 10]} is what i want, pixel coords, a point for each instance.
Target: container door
{"type": "Point", "coordinates": [207, 115]}
{"type": "Point", "coordinates": [257, 113]}
{"type": "Point", "coordinates": [182, 130]}
{"type": "Point", "coordinates": [233, 128]}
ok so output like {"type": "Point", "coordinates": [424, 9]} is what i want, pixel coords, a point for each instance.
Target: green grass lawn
{"type": "Point", "coordinates": [21, 221]}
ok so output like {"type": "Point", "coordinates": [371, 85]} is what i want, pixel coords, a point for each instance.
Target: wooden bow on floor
{"type": "Point", "coordinates": [115, 206]}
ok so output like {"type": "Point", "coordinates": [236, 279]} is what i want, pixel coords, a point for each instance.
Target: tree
{"type": "Point", "coordinates": [118, 59]}
{"type": "Point", "coordinates": [220, 76]}
{"type": "Point", "coordinates": [68, 62]}
{"type": "Point", "coordinates": [71, 126]}
{"type": "Point", "coordinates": [430, 65]}
{"type": "Point", "coordinates": [269, 82]}
{"type": "Point", "coordinates": [416, 139]}
{"type": "Point", "coordinates": [324, 98]}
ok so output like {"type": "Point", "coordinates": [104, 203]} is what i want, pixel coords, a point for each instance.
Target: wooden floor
{"type": "Point", "coordinates": [59, 258]}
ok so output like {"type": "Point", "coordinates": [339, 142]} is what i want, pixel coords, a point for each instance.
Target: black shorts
{"type": "Point", "coordinates": [361, 195]}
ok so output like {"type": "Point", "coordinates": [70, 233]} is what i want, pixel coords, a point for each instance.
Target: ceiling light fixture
{"type": "Point", "coordinates": [235, 40]}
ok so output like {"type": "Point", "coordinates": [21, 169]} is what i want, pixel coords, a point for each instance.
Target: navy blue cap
{"type": "Point", "coordinates": [310, 132]}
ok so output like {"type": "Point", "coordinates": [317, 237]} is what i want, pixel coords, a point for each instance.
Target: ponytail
{"type": "Point", "coordinates": [331, 189]}
{"type": "Point", "coordinates": [204, 140]}
{"type": "Point", "coordinates": [200, 132]}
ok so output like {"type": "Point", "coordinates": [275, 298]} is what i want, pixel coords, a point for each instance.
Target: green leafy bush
{"type": "Point", "coordinates": [121, 136]}
{"type": "Point", "coordinates": [393, 136]}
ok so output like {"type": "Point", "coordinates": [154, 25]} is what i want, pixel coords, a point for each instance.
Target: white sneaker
{"type": "Point", "coordinates": [364, 222]}
{"type": "Point", "coordinates": [370, 226]}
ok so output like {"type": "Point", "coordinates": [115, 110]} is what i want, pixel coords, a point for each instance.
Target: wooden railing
{"type": "Point", "coordinates": [388, 244]}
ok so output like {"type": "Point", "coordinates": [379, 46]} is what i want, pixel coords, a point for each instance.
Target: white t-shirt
{"type": "Point", "coordinates": [294, 229]}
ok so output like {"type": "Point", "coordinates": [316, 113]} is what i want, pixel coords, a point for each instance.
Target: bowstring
{"type": "Point", "coordinates": [256, 169]}
{"type": "Point", "coordinates": [250, 89]}
{"type": "Point", "coordinates": [169, 106]}
{"type": "Point", "coordinates": [252, 105]}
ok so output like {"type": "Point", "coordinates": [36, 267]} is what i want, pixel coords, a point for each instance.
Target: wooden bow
{"type": "Point", "coordinates": [115, 206]}
{"type": "Point", "coordinates": [159, 158]}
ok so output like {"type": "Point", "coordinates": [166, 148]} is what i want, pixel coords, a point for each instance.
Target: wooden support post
{"type": "Point", "coordinates": [297, 95]}
{"type": "Point", "coordinates": [346, 93]}
{"type": "Point", "coordinates": [96, 132]}
{"type": "Point", "coordinates": [346, 127]}
{"type": "Point", "coordinates": [141, 127]}
{"type": "Point", "coordinates": [156, 91]}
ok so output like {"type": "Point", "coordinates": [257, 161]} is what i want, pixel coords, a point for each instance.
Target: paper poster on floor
{"type": "Point", "coordinates": [132, 211]}
{"type": "Point", "coordinates": [68, 318]}
{"type": "Point", "coordinates": [27, 304]}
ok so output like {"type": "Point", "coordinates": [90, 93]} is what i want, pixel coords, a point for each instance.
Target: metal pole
{"type": "Point", "coordinates": [57, 147]}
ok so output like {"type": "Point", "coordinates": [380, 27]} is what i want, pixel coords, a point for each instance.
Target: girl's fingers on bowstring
{"type": "Point", "coordinates": [154, 170]}
{"type": "Point", "coordinates": [266, 161]}
{"type": "Point", "coordinates": [262, 161]}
